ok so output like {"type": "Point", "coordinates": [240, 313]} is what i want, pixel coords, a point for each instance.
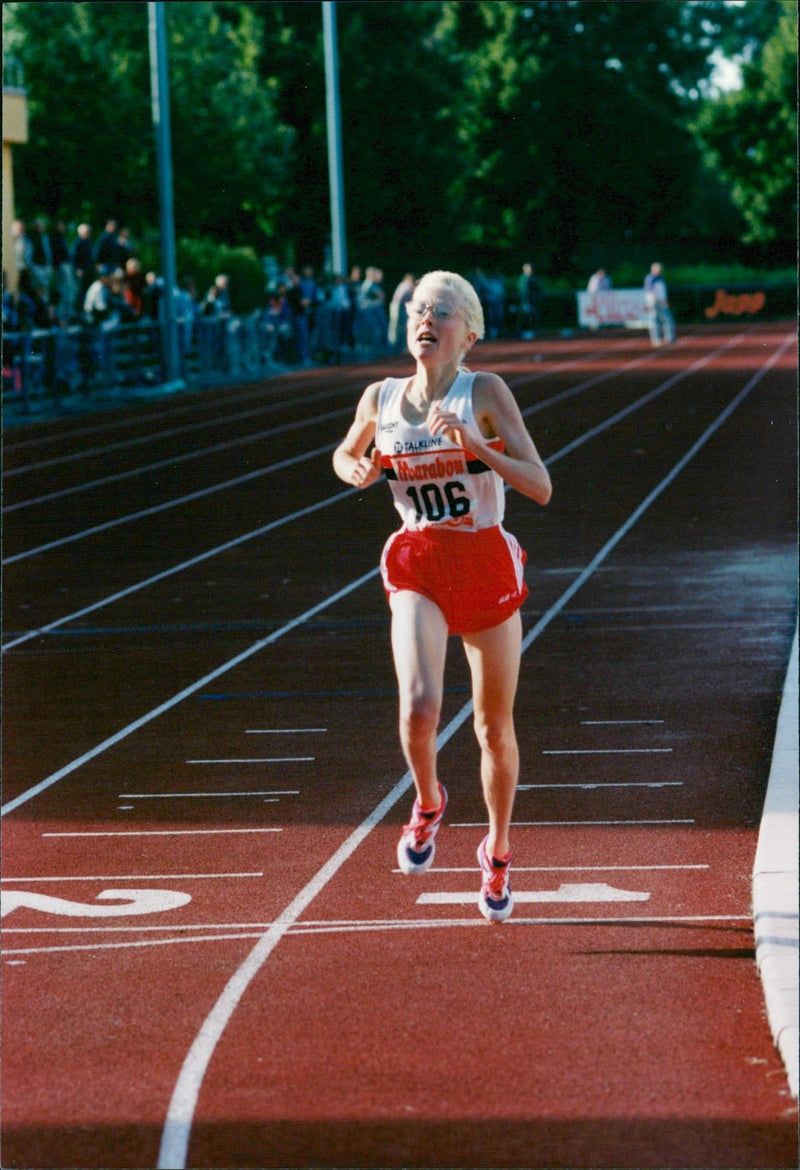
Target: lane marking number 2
{"type": "Point", "coordinates": [127, 902]}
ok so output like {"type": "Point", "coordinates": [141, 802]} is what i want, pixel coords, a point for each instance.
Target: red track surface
{"type": "Point", "coordinates": [285, 998]}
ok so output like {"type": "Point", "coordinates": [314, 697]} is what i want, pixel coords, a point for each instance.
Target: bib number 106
{"type": "Point", "coordinates": [430, 501]}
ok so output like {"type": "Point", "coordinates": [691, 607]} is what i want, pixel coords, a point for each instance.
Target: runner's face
{"type": "Point", "coordinates": [437, 330]}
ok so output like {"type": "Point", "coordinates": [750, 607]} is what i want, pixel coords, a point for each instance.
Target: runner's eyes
{"type": "Point", "coordinates": [440, 312]}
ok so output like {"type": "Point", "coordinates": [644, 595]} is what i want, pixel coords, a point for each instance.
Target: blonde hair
{"type": "Point", "coordinates": [466, 299]}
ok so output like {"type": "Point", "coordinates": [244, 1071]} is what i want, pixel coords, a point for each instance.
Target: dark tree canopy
{"type": "Point", "coordinates": [473, 131]}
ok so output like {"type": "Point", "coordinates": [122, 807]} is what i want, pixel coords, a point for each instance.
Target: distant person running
{"type": "Point", "coordinates": [447, 439]}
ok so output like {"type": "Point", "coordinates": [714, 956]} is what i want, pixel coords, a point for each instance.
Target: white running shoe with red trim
{"type": "Point", "coordinates": [495, 899]}
{"type": "Point", "coordinates": [416, 847]}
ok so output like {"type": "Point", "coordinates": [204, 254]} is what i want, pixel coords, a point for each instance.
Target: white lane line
{"type": "Point", "coordinates": [207, 555]}
{"type": "Point", "coordinates": [192, 795]}
{"type": "Point", "coordinates": [604, 751]}
{"type": "Point", "coordinates": [200, 494]}
{"type": "Point", "coordinates": [114, 929]}
{"type": "Point", "coordinates": [529, 824]}
{"type": "Point", "coordinates": [605, 784]}
{"type": "Point", "coordinates": [139, 440]}
{"type": "Point", "coordinates": [562, 868]}
{"type": "Point", "coordinates": [153, 418]}
{"type": "Point", "coordinates": [284, 730]}
{"type": "Point", "coordinates": [261, 760]}
{"type": "Point", "coordinates": [138, 877]}
{"type": "Point", "coordinates": [159, 832]}
{"type": "Point", "coordinates": [615, 722]}
{"type": "Point", "coordinates": [29, 793]}
{"type": "Point", "coordinates": [366, 927]}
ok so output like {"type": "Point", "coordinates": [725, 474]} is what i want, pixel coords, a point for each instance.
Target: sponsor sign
{"type": "Point", "coordinates": [613, 306]}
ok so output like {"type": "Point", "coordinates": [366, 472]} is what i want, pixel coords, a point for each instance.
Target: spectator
{"type": "Point", "coordinates": [299, 309]}
{"type": "Point", "coordinates": [372, 321]}
{"type": "Point", "coordinates": [23, 255]}
{"type": "Point", "coordinates": [598, 282]}
{"type": "Point", "coordinates": [124, 249]}
{"type": "Point", "coordinates": [62, 269]}
{"type": "Point", "coordinates": [528, 295]}
{"type": "Point", "coordinates": [97, 303]}
{"type": "Point", "coordinates": [153, 291]}
{"type": "Point", "coordinates": [217, 301]}
{"type": "Point", "coordinates": [119, 307]}
{"type": "Point", "coordinates": [656, 300]}
{"type": "Point", "coordinates": [277, 326]}
{"type": "Point", "coordinates": [18, 310]}
{"type": "Point", "coordinates": [353, 287]}
{"type": "Point", "coordinates": [495, 305]}
{"type": "Point", "coordinates": [311, 294]}
{"type": "Point", "coordinates": [105, 253]}
{"type": "Point", "coordinates": [134, 288]}
{"type": "Point", "coordinates": [397, 309]}
{"type": "Point", "coordinates": [82, 258]}
{"type": "Point", "coordinates": [188, 309]}
{"type": "Point", "coordinates": [41, 256]}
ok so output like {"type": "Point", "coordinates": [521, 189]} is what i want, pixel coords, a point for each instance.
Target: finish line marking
{"type": "Point", "coordinates": [367, 927]}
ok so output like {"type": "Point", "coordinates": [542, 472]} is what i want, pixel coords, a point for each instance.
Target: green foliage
{"type": "Point", "coordinates": [92, 150]}
{"type": "Point", "coordinates": [203, 259]}
{"type": "Point", "coordinates": [751, 135]}
{"type": "Point", "coordinates": [475, 132]}
{"type": "Point", "coordinates": [630, 275]}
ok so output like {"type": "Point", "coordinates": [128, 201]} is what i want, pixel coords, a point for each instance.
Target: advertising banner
{"type": "Point", "coordinates": [612, 306]}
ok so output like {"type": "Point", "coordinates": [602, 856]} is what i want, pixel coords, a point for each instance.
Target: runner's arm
{"type": "Point", "coordinates": [350, 460]}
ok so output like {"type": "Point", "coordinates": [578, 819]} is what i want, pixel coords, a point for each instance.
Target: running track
{"type": "Point", "coordinates": [208, 957]}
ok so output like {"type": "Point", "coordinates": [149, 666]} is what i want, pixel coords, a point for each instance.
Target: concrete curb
{"type": "Point", "coordinates": [775, 882]}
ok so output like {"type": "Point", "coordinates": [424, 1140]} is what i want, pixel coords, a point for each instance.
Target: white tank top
{"type": "Point", "coordinates": [432, 481]}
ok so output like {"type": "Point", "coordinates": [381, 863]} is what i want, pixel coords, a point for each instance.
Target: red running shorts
{"type": "Point", "coordinates": [475, 578]}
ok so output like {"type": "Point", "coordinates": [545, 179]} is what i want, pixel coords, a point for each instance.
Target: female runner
{"type": "Point", "coordinates": [448, 440]}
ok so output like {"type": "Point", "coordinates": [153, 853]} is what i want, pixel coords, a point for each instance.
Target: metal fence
{"type": "Point", "coordinates": [46, 368]}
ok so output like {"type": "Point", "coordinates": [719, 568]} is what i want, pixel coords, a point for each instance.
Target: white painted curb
{"type": "Point", "coordinates": [775, 882]}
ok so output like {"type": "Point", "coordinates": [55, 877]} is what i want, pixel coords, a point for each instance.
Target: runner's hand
{"type": "Point", "coordinates": [448, 424]}
{"type": "Point", "coordinates": [366, 469]}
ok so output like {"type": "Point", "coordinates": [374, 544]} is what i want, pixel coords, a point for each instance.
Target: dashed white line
{"type": "Point", "coordinates": [160, 832]}
{"type": "Point", "coordinates": [189, 795]}
{"type": "Point", "coordinates": [528, 824]}
{"type": "Point", "coordinates": [260, 760]}
{"type": "Point", "coordinates": [605, 784]}
{"type": "Point", "coordinates": [284, 730]}
{"type": "Point", "coordinates": [137, 877]}
{"type": "Point", "coordinates": [603, 751]}
{"type": "Point", "coordinates": [616, 722]}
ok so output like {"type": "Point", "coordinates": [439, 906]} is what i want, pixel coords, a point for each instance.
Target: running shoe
{"type": "Point", "coordinates": [416, 846]}
{"type": "Point", "coordinates": [496, 900]}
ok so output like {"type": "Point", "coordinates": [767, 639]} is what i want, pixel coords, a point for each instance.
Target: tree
{"type": "Point", "coordinates": [91, 152]}
{"type": "Point", "coordinates": [574, 118]}
{"type": "Point", "coordinates": [750, 135]}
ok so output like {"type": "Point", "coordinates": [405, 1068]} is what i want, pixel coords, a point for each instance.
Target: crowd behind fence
{"type": "Point", "coordinates": [98, 361]}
